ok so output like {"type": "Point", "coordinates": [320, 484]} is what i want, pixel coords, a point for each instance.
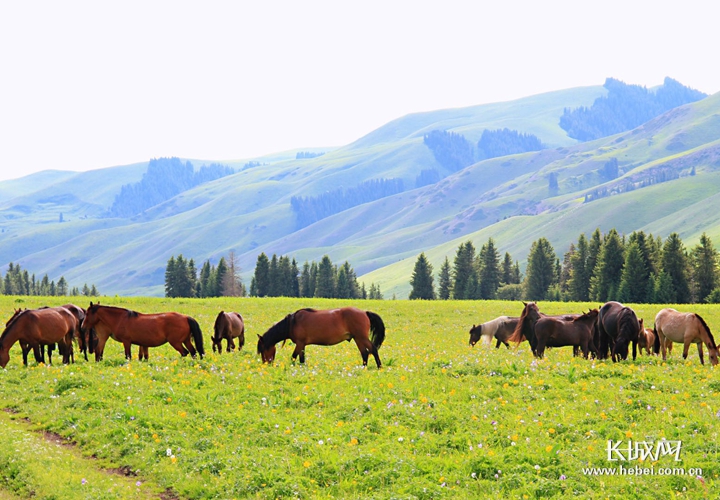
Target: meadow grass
{"type": "Point", "coordinates": [439, 420]}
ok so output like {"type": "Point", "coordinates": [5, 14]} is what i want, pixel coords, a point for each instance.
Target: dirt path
{"type": "Point", "coordinates": [42, 465]}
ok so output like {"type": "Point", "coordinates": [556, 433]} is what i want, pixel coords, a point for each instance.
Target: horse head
{"type": "Point", "coordinates": [266, 352]}
{"type": "Point", "coordinates": [475, 333]}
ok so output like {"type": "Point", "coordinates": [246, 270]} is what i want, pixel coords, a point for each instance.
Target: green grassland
{"type": "Point", "coordinates": [439, 420]}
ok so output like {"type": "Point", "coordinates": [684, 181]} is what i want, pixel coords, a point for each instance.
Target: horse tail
{"type": "Point", "coordinates": [656, 343]}
{"type": "Point", "coordinates": [377, 327]}
{"type": "Point", "coordinates": [197, 335]}
{"type": "Point", "coordinates": [707, 329]}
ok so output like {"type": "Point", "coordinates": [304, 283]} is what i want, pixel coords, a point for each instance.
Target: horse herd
{"type": "Point", "coordinates": [91, 328]}
{"type": "Point", "coordinates": [605, 332]}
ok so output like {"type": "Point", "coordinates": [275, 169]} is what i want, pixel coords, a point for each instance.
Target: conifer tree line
{"type": "Point", "coordinates": [18, 281]}
{"type": "Point", "coordinates": [282, 277]}
{"type": "Point", "coordinates": [639, 268]}
{"type": "Point", "coordinates": [183, 280]}
{"type": "Point", "coordinates": [472, 276]}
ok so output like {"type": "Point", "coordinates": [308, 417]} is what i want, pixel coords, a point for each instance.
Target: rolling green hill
{"type": "Point", "coordinates": [506, 197]}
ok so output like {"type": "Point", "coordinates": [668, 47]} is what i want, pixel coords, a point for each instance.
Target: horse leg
{"type": "Point", "coordinates": [700, 353]}
{"type": "Point", "coordinates": [364, 350]}
{"type": "Point", "coordinates": [100, 348]}
{"type": "Point", "coordinates": [178, 346]}
{"type": "Point", "coordinates": [230, 344]}
{"type": "Point", "coordinates": [128, 349]}
{"type": "Point", "coordinates": [299, 351]}
{"type": "Point", "coordinates": [540, 348]}
{"type": "Point", "coordinates": [686, 348]}
{"type": "Point", "coordinates": [190, 347]}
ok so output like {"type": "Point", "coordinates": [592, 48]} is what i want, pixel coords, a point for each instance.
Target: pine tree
{"type": "Point", "coordinates": [220, 272]}
{"type": "Point", "coordinates": [579, 280]}
{"type": "Point", "coordinates": [325, 285]}
{"type": "Point", "coordinates": [489, 275]}
{"type": "Point", "coordinates": [663, 290]}
{"type": "Point", "coordinates": [421, 280]}
{"type": "Point", "coordinates": [275, 289]}
{"type": "Point", "coordinates": [605, 282]}
{"type": "Point", "coordinates": [262, 276]}
{"type": "Point", "coordinates": [644, 244]}
{"type": "Point", "coordinates": [463, 269]}
{"type": "Point", "coordinates": [674, 263]}
{"type": "Point", "coordinates": [204, 280]}
{"type": "Point", "coordinates": [62, 286]}
{"type": "Point", "coordinates": [704, 260]}
{"type": "Point", "coordinates": [633, 284]}
{"type": "Point", "coordinates": [540, 273]}
{"type": "Point", "coordinates": [170, 287]}
{"type": "Point", "coordinates": [444, 282]}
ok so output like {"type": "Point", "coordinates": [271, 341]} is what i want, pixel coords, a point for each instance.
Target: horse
{"type": "Point", "coordinates": [144, 330]}
{"type": "Point", "coordinates": [24, 346]}
{"type": "Point", "coordinates": [686, 328]}
{"type": "Point", "coordinates": [544, 331]}
{"type": "Point", "coordinates": [646, 339]}
{"type": "Point", "coordinates": [228, 326]}
{"type": "Point", "coordinates": [38, 327]}
{"type": "Point", "coordinates": [326, 327]}
{"type": "Point", "coordinates": [501, 328]}
{"type": "Point", "coordinates": [617, 326]}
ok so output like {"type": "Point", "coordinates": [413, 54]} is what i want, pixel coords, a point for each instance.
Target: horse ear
{"type": "Point", "coordinates": [91, 304]}
{"type": "Point", "coordinates": [259, 336]}
{"type": "Point", "coordinates": [524, 303]}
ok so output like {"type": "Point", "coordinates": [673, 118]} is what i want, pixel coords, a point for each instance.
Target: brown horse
{"type": "Point", "coordinates": [228, 326]}
{"type": "Point", "coordinates": [145, 330]}
{"type": "Point", "coordinates": [330, 327]}
{"type": "Point", "coordinates": [646, 339]}
{"type": "Point", "coordinates": [617, 327]}
{"type": "Point", "coordinates": [38, 327]}
{"type": "Point", "coordinates": [544, 331]}
{"type": "Point", "coordinates": [501, 328]}
{"type": "Point", "coordinates": [685, 328]}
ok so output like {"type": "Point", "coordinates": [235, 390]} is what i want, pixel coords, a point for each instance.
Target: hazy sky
{"type": "Point", "coordinates": [87, 85]}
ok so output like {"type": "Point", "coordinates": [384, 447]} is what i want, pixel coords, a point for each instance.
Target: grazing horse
{"type": "Point", "coordinates": [329, 327]}
{"type": "Point", "coordinates": [685, 328]}
{"type": "Point", "coordinates": [38, 327]}
{"type": "Point", "coordinates": [617, 327]}
{"type": "Point", "coordinates": [228, 326]}
{"type": "Point", "coordinates": [501, 328]}
{"type": "Point", "coordinates": [544, 331]}
{"type": "Point", "coordinates": [144, 330]}
{"type": "Point", "coordinates": [646, 339]}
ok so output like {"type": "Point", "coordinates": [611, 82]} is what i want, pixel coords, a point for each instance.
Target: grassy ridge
{"type": "Point", "coordinates": [440, 420]}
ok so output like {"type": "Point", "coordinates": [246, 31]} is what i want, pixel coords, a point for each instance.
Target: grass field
{"type": "Point", "coordinates": [440, 420]}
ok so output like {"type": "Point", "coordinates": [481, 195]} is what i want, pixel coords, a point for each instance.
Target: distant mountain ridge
{"type": "Point", "coordinates": [251, 210]}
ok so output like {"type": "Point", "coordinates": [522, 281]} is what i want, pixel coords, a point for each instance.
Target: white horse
{"type": "Point", "coordinates": [500, 328]}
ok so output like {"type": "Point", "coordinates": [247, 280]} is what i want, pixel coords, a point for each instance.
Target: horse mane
{"type": "Point", "coordinates": [591, 312]}
{"type": "Point", "coordinates": [11, 323]}
{"type": "Point", "coordinates": [129, 312]}
{"type": "Point", "coordinates": [628, 323]}
{"type": "Point", "coordinates": [279, 331]}
{"type": "Point", "coordinates": [524, 329]}
{"type": "Point", "coordinates": [707, 329]}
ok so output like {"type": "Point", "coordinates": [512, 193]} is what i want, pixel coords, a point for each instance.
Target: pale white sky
{"type": "Point", "coordinates": [87, 84]}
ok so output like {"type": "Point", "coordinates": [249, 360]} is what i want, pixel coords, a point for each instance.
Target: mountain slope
{"type": "Point", "coordinates": [507, 197]}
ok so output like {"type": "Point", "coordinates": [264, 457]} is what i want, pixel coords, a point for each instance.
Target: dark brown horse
{"type": "Point", "coordinates": [38, 327]}
{"type": "Point", "coordinates": [555, 331]}
{"type": "Point", "coordinates": [228, 326]}
{"type": "Point", "coordinates": [501, 328]}
{"type": "Point", "coordinates": [684, 328]}
{"type": "Point", "coordinates": [144, 330]}
{"type": "Point", "coordinates": [617, 327]}
{"type": "Point", "coordinates": [330, 327]}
